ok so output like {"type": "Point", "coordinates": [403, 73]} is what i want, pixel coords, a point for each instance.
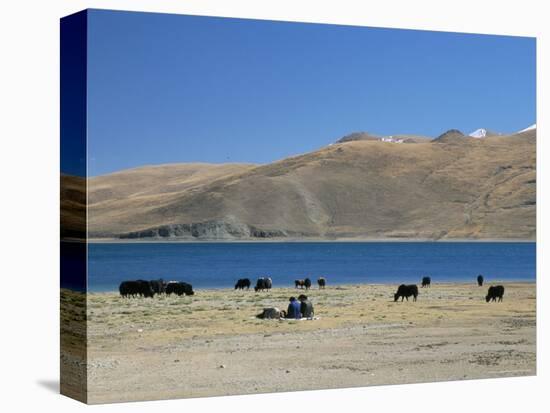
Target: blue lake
{"type": "Point", "coordinates": [218, 265]}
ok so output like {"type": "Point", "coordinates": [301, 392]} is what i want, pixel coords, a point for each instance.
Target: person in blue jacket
{"type": "Point", "coordinates": [293, 310]}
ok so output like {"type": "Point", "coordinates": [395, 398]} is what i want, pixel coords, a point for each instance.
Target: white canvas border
{"type": "Point", "coordinates": [30, 158]}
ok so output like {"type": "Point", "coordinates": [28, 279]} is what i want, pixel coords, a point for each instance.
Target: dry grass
{"type": "Point", "coordinates": [174, 347]}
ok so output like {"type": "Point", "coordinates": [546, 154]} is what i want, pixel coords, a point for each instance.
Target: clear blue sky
{"type": "Point", "coordinates": [171, 88]}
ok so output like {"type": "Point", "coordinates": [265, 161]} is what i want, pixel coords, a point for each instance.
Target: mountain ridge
{"type": "Point", "coordinates": [452, 187]}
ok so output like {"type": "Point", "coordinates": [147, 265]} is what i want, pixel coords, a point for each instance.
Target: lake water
{"type": "Point", "coordinates": [218, 265]}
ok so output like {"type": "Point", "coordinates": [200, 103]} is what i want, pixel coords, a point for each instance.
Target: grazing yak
{"type": "Point", "coordinates": [242, 283]}
{"type": "Point", "coordinates": [480, 280]}
{"type": "Point", "coordinates": [426, 282]}
{"type": "Point", "coordinates": [179, 288]}
{"type": "Point", "coordinates": [303, 283]}
{"type": "Point", "coordinates": [159, 286]}
{"type": "Point", "coordinates": [263, 283]}
{"type": "Point", "coordinates": [494, 293]}
{"type": "Point", "coordinates": [135, 288]}
{"type": "Point", "coordinates": [128, 288]}
{"type": "Point", "coordinates": [322, 282]}
{"type": "Point", "coordinates": [146, 289]}
{"type": "Point", "coordinates": [405, 291]}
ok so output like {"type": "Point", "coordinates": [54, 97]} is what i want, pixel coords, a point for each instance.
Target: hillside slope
{"type": "Point", "coordinates": [72, 207]}
{"type": "Point", "coordinates": [443, 189]}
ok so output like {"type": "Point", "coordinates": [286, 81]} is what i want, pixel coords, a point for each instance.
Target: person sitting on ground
{"type": "Point", "coordinates": [306, 308]}
{"type": "Point", "coordinates": [293, 310]}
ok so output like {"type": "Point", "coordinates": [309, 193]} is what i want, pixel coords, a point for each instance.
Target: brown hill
{"type": "Point", "coordinates": [73, 207]}
{"type": "Point", "coordinates": [450, 136]}
{"type": "Point", "coordinates": [442, 189]}
{"type": "Point", "coordinates": [115, 199]}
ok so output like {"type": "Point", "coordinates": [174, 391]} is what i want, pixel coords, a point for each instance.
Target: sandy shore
{"type": "Point", "coordinates": [211, 344]}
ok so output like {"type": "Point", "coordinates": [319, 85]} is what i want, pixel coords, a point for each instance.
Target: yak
{"type": "Point", "coordinates": [299, 283]}
{"type": "Point", "coordinates": [263, 284]}
{"type": "Point", "coordinates": [405, 291]}
{"type": "Point", "coordinates": [128, 289]}
{"type": "Point", "coordinates": [426, 282]}
{"type": "Point", "coordinates": [139, 288]}
{"type": "Point", "coordinates": [242, 283]}
{"type": "Point", "coordinates": [494, 293]}
{"type": "Point", "coordinates": [159, 286]}
{"type": "Point", "coordinates": [179, 288]}
{"type": "Point", "coordinates": [322, 282]}
{"type": "Point", "coordinates": [303, 283]}
{"type": "Point", "coordinates": [480, 280]}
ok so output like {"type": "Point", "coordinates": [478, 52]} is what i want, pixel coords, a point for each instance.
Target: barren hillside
{"type": "Point", "coordinates": [453, 187]}
{"type": "Point", "coordinates": [73, 207]}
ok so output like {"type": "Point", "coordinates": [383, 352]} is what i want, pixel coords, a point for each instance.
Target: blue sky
{"type": "Point", "coordinates": [170, 88]}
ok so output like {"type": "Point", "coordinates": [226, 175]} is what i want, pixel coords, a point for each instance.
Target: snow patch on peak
{"type": "Point", "coordinates": [533, 126]}
{"type": "Point", "coordinates": [478, 133]}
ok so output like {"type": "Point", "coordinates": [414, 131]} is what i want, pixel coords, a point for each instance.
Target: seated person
{"type": "Point", "coordinates": [293, 310]}
{"type": "Point", "coordinates": [306, 308]}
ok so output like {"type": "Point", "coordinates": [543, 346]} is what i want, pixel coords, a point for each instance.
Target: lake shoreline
{"type": "Point", "coordinates": [303, 240]}
{"type": "Point", "coordinates": [314, 287]}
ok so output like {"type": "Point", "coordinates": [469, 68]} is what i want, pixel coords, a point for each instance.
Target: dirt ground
{"type": "Point", "coordinates": [211, 344]}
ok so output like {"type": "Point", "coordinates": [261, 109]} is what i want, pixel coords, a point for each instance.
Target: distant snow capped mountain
{"type": "Point", "coordinates": [533, 126]}
{"type": "Point", "coordinates": [480, 133]}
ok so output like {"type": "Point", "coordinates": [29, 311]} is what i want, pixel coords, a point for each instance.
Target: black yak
{"type": "Point", "coordinates": [128, 289]}
{"type": "Point", "coordinates": [405, 291]}
{"type": "Point", "coordinates": [158, 286]}
{"type": "Point", "coordinates": [242, 283]}
{"type": "Point", "coordinates": [322, 282]}
{"type": "Point", "coordinates": [494, 293]}
{"type": "Point", "coordinates": [140, 288]}
{"type": "Point", "coordinates": [480, 280]}
{"type": "Point", "coordinates": [179, 288]}
{"type": "Point", "coordinates": [263, 284]}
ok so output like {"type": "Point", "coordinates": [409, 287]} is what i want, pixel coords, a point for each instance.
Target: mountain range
{"type": "Point", "coordinates": [451, 187]}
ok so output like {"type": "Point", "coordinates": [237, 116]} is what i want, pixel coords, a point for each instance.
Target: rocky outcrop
{"type": "Point", "coordinates": [358, 136]}
{"type": "Point", "coordinates": [210, 230]}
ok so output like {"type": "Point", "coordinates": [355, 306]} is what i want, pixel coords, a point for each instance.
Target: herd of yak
{"type": "Point", "coordinates": [495, 292]}
{"type": "Point", "coordinates": [265, 283]}
{"type": "Point", "coordinates": [143, 288]}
